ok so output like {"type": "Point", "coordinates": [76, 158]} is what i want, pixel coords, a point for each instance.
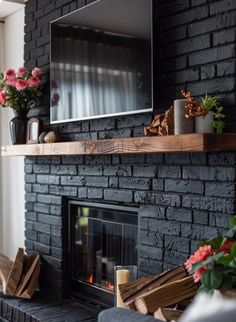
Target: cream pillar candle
{"type": "Point", "coordinates": [122, 277]}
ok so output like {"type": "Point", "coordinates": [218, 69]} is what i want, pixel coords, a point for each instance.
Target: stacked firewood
{"type": "Point", "coordinates": [19, 278]}
{"type": "Point", "coordinates": [162, 295]}
{"type": "Point", "coordinates": [162, 124]}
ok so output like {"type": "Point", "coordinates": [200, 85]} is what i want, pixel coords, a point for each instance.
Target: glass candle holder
{"type": "Point", "coordinates": [122, 275]}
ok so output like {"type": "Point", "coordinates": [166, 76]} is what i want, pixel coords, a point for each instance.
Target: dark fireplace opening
{"type": "Point", "coordinates": [101, 236]}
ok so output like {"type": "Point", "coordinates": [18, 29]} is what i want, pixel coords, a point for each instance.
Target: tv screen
{"type": "Point", "coordinates": [101, 61]}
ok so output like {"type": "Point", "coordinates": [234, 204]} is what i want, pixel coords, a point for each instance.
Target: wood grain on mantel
{"type": "Point", "coordinates": [173, 143]}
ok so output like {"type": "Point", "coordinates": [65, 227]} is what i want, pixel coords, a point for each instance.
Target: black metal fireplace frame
{"type": "Point", "coordinates": [80, 289]}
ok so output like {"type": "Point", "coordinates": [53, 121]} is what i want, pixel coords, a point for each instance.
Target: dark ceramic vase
{"type": "Point", "coordinates": [18, 127]}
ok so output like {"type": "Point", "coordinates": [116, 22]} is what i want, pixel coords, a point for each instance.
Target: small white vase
{"type": "Point", "coordinates": [182, 124]}
{"type": "Point", "coordinates": [204, 124]}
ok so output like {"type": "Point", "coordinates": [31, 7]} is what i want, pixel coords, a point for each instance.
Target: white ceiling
{"type": "Point", "coordinates": [8, 7]}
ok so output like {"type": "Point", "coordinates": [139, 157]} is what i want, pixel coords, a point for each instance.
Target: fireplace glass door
{"type": "Point", "coordinates": [103, 237]}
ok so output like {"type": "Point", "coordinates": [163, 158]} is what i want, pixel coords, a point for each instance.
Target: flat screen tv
{"type": "Point", "coordinates": [101, 61]}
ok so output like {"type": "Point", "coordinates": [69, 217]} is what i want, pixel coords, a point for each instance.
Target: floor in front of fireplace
{"type": "Point", "coordinates": [46, 309]}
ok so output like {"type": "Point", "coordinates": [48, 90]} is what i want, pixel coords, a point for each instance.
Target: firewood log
{"type": "Point", "coordinates": [5, 268]}
{"type": "Point", "coordinates": [33, 280]}
{"type": "Point", "coordinates": [130, 291]}
{"type": "Point", "coordinates": [33, 262]}
{"type": "Point", "coordinates": [167, 314]}
{"type": "Point", "coordinates": [15, 273]}
{"type": "Point", "coordinates": [166, 295]}
{"type": "Point", "coordinates": [19, 278]}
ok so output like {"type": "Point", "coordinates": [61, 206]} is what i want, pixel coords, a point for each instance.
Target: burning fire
{"type": "Point", "coordinates": [110, 286]}
{"type": "Point", "coordinates": [90, 279]}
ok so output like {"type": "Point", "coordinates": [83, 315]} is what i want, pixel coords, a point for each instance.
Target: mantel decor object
{"type": "Point", "coordinates": [34, 129]}
{"type": "Point", "coordinates": [204, 123]}
{"type": "Point", "coordinates": [18, 126]}
{"type": "Point", "coordinates": [51, 137]}
{"type": "Point", "coordinates": [162, 124]}
{"type": "Point", "coordinates": [182, 125]}
{"type": "Point", "coordinates": [19, 90]}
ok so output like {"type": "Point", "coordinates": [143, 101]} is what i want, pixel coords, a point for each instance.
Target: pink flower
{"type": "Point", "coordinates": [3, 99]}
{"type": "Point", "coordinates": [37, 71]}
{"type": "Point", "coordinates": [9, 74]}
{"type": "Point", "coordinates": [11, 81]}
{"type": "Point", "coordinates": [21, 72]}
{"type": "Point", "coordinates": [34, 81]}
{"type": "Point", "coordinates": [198, 275]}
{"type": "Point", "coordinates": [21, 84]}
{"type": "Point", "coordinates": [200, 255]}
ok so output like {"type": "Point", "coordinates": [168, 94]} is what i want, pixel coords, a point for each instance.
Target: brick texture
{"type": "Point", "coordinates": [183, 198]}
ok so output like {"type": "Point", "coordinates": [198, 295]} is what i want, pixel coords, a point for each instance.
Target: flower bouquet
{"type": "Point", "coordinates": [214, 263]}
{"type": "Point", "coordinates": [20, 89]}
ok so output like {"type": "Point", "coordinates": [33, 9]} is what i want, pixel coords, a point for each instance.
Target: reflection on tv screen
{"type": "Point", "coordinates": [101, 65]}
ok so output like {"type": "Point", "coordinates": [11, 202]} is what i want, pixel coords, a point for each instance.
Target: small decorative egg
{"type": "Point", "coordinates": [51, 137]}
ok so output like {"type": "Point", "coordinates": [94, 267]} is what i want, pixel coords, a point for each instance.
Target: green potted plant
{"type": "Point", "coordinates": [213, 117]}
{"type": "Point", "coordinates": [208, 113]}
{"type": "Point", "coordinates": [219, 123]}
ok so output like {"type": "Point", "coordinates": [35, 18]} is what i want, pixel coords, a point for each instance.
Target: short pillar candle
{"type": "Point", "coordinates": [122, 277]}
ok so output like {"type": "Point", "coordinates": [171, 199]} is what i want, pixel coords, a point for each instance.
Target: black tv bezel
{"type": "Point", "coordinates": [134, 112]}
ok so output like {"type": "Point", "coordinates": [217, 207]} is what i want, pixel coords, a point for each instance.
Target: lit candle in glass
{"type": "Point", "coordinates": [122, 277]}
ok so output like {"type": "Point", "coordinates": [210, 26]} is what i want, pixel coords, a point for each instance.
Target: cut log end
{"type": "Point", "coordinates": [141, 306]}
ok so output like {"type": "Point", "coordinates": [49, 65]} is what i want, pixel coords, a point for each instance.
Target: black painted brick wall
{"type": "Point", "coordinates": [183, 198]}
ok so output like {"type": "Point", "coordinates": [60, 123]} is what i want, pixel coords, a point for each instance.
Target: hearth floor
{"type": "Point", "coordinates": [46, 309]}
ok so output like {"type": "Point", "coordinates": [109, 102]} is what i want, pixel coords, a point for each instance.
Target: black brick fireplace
{"type": "Point", "coordinates": [181, 198]}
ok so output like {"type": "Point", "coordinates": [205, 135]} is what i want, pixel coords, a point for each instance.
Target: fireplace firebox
{"type": "Point", "coordinates": [101, 237]}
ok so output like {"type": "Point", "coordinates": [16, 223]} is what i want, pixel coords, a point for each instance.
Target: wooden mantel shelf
{"type": "Point", "coordinates": [172, 143]}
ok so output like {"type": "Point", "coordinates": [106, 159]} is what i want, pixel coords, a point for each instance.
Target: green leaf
{"type": "Point", "coordinates": [203, 243]}
{"type": "Point", "coordinates": [233, 250]}
{"type": "Point", "coordinates": [215, 243]}
{"type": "Point", "coordinates": [196, 266]}
{"type": "Point", "coordinates": [224, 261]}
{"type": "Point", "coordinates": [232, 263]}
{"type": "Point", "coordinates": [210, 260]}
{"type": "Point", "coordinates": [227, 283]}
{"type": "Point", "coordinates": [231, 234]}
{"type": "Point", "coordinates": [203, 289]}
{"type": "Point", "coordinates": [212, 279]}
{"type": "Point", "coordinates": [232, 222]}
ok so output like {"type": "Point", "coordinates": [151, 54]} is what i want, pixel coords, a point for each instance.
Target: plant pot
{"type": "Point", "coordinates": [203, 124]}
{"type": "Point", "coordinates": [182, 124]}
{"type": "Point", "coordinates": [18, 127]}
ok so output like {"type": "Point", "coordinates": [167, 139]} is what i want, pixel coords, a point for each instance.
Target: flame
{"type": "Point", "coordinates": [110, 286]}
{"type": "Point", "coordinates": [90, 279]}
